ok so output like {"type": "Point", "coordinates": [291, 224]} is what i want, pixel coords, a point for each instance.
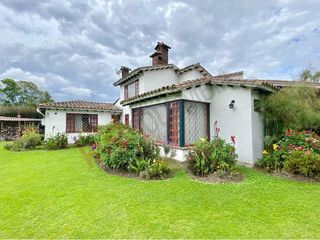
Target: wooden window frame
{"type": "Point", "coordinates": [126, 119]}
{"type": "Point", "coordinates": [71, 123]}
{"type": "Point", "coordinates": [126, 92]}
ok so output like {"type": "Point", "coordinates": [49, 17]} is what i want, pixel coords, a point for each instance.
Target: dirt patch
{"type": "Point", "coordinates": [215, 178]}
{"type": "Point", "coordinates": [290, 176]}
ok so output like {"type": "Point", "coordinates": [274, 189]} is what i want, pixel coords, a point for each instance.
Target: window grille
{"type": "Point", "coordinates": [81, 122]}
{"type": "Point", "coordinates": [153, 122]}
{"type": "Point", "coordinates": [196, 125]}
{"type": "Point", "coordinates": [174, 123]}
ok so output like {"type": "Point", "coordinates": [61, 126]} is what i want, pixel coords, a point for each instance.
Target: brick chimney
{"type": "Point", "coordinates": [124, 71]}
{"type": "Point", "coordinates": [160, 56]}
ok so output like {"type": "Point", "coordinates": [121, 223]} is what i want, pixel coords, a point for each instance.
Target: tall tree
{"type": "Point", "coordinates": [22, 93]}
{"type": "Point", "coordinates": [10, 92]}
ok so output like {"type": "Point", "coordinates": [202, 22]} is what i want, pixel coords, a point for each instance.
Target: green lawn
{"type": "Point", "coordinates": [63, 194]}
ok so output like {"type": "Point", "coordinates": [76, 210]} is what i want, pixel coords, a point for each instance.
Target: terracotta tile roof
{"type": "Point", "coordinates": [16, 119]}
{"type": "Point", "coordinates": [83, 105]}
{"type": "Point", "coordinates": [217, 80]}
{"type": "Point", "coordinates": [223, 80]}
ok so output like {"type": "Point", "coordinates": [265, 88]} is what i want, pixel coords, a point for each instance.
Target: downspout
{"type": "Point", "coordinates": [38, 110]}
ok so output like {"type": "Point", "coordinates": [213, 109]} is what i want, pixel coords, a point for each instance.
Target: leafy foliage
{"type": "Point", "coordinates": [208, 156]}
{"type": "Point", "coordinates": [292, 108]}
{"type": "Point", "coordinates": [297, 152]}
{"type": "Point", "coordinates": [29, 140]}
{"type": "Point", "coordinates": [23, 111]}
{"type": "Point", "coordinates": [120, 147]}
{"type": "Point", "coordinates": [84, 140]}
{"type": "Point", "coordinates": [22, 93]}
{"type": "Point", "coordinates": [59, 141]}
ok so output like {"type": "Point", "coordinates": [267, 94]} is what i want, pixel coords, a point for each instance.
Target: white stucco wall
{"type": "Point", "coordinates": [241, 121]}
{"type": "Point", "coordinates": [190, 75]}
{"type": "Point", "coordinates": [257, 129]}
{"type": "Point", "coordinates": [157, 79]}
{"type": "Point", "coordinates": [55, 122]}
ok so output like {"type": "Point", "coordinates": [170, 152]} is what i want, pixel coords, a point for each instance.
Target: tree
{"type": "Point", "coordinates": [308, 76]}
{"type": "Point", "coordinates": [10, 92]}
{"type": "Point", "coordinates": [22, 93]}
{"type": "Point", "coordinates": [296, 107]}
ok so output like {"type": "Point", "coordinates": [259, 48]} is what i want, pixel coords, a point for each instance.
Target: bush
{"type": "Point", "coordinates": [208, 156]}
{"type": "Point", "coordinates": [297, 152]}
{"type": "Point", "coordinates": [84, 140]}
{"type": "Point", "coordinates": [303, 162]}
{"type": "Point", "coordinates": [158, 169]}
{"type": "Point", "coordinates": [29, 140]}
{"type": "Point", "coordinates": [59, 141]}
{"type": "Point", "coordinates": [120, 147]}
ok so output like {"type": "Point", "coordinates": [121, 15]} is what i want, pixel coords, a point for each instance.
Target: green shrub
{"type": "Point", "coordinates": [208, 156]}
{"type": "Point", "coordinates": [30, 139]}
{"type": "Point", "coordinates": [118, 146]}
{"type": "Point", "coordinates": [303, 162]}
{"type": "Point", "coordinates": [59, 141]}
{"type": "Point", "coordinates": [84, 140]}
{"type": "Point", "coordinates": [158, 169]}
{"type": "Point", "coordinates": [297, 152]}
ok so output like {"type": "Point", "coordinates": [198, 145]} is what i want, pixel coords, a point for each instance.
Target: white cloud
{"type": "Point", "coordinates": [19, 74]}
{"type": "Point", "coordinates": [77, 92]}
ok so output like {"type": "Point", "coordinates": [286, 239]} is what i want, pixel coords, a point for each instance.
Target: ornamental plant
{"type": "Point", "coordinates": [29, 140]}
{"type": "Point", "coordinates": [120, 147]}
{"type": "Point", "coordinates": [56, 142]}
{"type": "Point", "coordinates": [297, 152]}
{"type": "Point", "coordinates": [209, 156]}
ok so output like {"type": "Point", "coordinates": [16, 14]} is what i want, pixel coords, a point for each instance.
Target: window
{"type": "Point", "coordinates": [196, 121]}
{"type": "Point", "coordinates": [81, 123]}
{"type": "Point", "coordinates": [174, 123]}
{"type": "Point", "coordinates": [131, 90]}
{"type": "Point", "coordinates": [126, 119]}
{"type": "Point", "coordinates": [135, 119]}
{"type": "Point", "coordinates": [126, 92]}
{"type": "Point", "coordinates": [153, 122]}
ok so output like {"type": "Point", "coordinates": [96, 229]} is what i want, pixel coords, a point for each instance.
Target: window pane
{"type": "Point", "coordinates": [196, 125]}
{"type": "Point", "coordinates": [154, 122]}
{"type": "Point", "coordinates": [78, 123]}
{"type": "Point", "coordinates": [131, 90]}
{"type": "Point", "coordinates": [174, 123]}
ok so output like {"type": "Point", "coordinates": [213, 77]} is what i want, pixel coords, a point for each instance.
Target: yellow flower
{"type": "Point", "coordinates": [275, 147]}
{"type": "Point", "coordinates": [264, 152]}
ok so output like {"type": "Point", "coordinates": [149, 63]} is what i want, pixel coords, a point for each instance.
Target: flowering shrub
{"type": "Point", "coordinates": [29, 140]}
{"type": "Point", "coordinates": [120, 147]}
{"type": "Point", "coordinates": [59, 141]}
{"type": "Point", "coordinates": [209, 156]}
{"type": "Point", "coordinates": [297, 152]}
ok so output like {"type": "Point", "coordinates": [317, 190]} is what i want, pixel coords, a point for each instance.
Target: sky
{"type": "Point", "coordinates": [72, 48]}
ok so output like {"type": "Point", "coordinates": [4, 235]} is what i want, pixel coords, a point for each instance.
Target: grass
{"type": "Point", "coordinates": [63, 194]}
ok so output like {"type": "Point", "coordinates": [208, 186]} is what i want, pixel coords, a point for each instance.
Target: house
{"type": "Point", "coordinates": [76, 117]}
{"type": "Point", "coordinates": [178, 106]}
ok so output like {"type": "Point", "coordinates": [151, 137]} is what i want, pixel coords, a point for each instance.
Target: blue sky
{"type": "Point", "coordinates": [72, 48]}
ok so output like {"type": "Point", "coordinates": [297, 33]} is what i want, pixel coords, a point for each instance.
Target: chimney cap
{"type": "Point", "coordinates": [124, 68]}
{"type": "Point", "coordinates": [161, 44]}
